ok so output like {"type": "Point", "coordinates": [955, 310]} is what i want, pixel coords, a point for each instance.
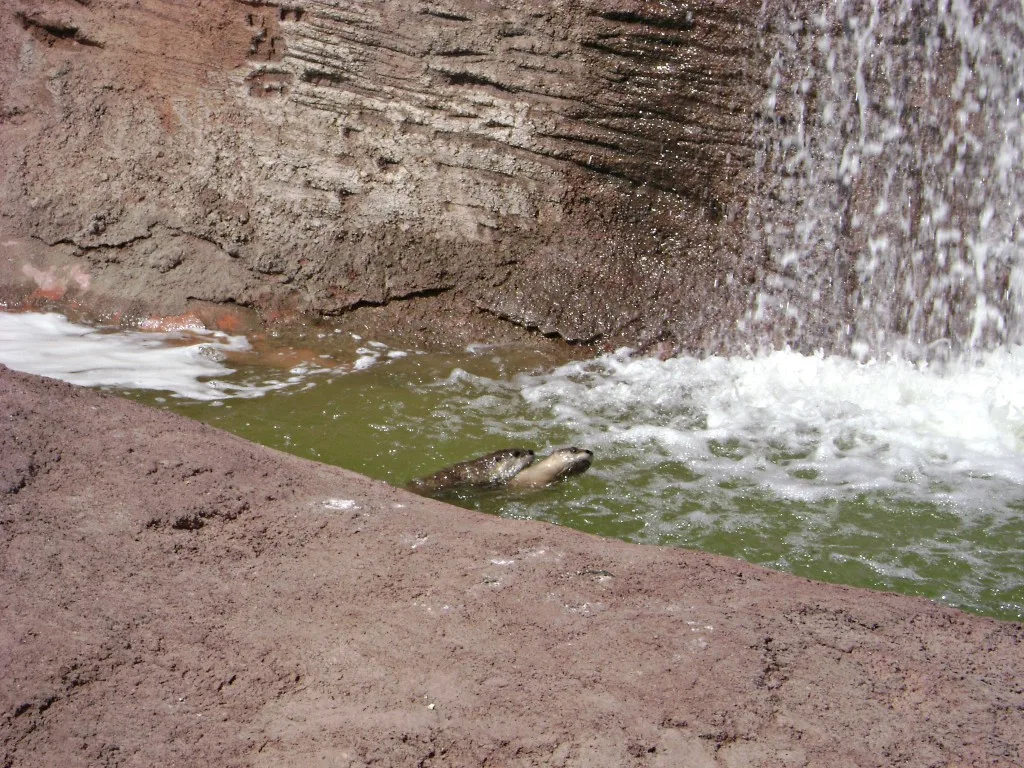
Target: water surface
{"type": "Point", "coordinates": [882, 474]}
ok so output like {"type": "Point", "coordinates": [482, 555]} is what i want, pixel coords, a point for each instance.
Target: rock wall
{"type": "Point", "coordinates": [578, 167]}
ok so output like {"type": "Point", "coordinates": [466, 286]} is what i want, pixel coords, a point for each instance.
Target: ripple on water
{"type": "Point", "coordinates": [883, 473]}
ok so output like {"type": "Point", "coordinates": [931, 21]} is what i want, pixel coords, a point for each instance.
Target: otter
{"type": "Point", "coordinates": [561, 464]}
{"type": "Point", "coordinates": [490, 470]}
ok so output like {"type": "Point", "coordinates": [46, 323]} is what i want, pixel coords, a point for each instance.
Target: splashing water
{"type": "Point", "coordinates": [906, 476]}
{"type": "Point", "coordinates": [892, 474]}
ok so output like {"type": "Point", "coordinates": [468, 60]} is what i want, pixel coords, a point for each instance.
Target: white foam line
{"type": "Point", "coordinates": [51, 345]}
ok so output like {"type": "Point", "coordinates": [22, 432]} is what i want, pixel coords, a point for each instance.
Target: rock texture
{"type": "Point", "coordinates": [173, 595]}
{"type": "Point", "coordinates": [707, 173]}
{"type": "Point", "coordinates": [567, 166]}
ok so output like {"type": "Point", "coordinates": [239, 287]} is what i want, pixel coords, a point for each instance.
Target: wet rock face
{"type": "Point", "coordinates": [578, 167]}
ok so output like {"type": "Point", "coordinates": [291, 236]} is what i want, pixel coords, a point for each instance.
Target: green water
{"type": "Point", "coordinates": [393, 422]}
{"type": "Point", "coordinates": [407, 416]}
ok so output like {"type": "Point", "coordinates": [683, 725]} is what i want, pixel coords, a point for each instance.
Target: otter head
{"type": "Point", "coordinates": [570, 461]}
{"type": "Point", "coordinates": [560, 464]}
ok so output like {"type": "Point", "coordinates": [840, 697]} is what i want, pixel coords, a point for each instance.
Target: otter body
{"type": "Point", "coordinates": [563, 463]}
{"type": "Point", "coordinates": [490, 470]}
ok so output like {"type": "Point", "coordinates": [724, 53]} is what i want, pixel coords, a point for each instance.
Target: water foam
{"type": "Point", "coordinates": [890, 474]}
{"type": "Point", "coordinates": [804, 427]}
{"type": "Point", "coordinates": [188, 364]}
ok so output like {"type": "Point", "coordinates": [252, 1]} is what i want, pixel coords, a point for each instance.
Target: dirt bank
{"type": "Point", "coordinates": [174, 595]}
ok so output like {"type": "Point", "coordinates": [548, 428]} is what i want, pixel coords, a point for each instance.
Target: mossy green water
{"type": "Point", "coordinates": [410, 414]}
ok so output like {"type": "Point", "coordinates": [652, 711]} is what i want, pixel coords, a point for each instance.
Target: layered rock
{"type": "Point", "coordinates": [703, 173]}
{"type": "Point", "coordinates": [571, 167]}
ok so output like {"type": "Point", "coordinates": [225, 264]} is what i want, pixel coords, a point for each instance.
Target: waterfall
{"type": "Point", "coordinates": [890, 178]}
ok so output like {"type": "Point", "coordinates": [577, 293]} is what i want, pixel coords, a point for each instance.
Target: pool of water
{"type": "Point", "coordinates": [883, 474]}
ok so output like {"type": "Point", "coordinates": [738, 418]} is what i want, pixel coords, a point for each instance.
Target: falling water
{"type": "Point", "coordinates": [891, 167]}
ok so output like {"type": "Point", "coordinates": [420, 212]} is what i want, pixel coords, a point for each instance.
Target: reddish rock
{"type": "Point", "coordinates": [563, 167]}
{"type": "Point", "coordinates": [173, 595]}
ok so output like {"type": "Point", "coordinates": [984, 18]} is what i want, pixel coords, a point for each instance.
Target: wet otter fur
{"type": "Point", "coordinates": [482, 472]}
{"type": "Point", "coordinates": [560, 464]}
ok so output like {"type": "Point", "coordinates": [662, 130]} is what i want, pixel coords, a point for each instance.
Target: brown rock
{"type": "Point", "coordinates": [174, 595]}
{"type": "Point", "coordinates": [704, 174]}
{"type": "Point", "coordinates": [566, 167]}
